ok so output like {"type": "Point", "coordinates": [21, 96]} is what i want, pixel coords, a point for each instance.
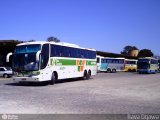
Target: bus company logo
{"type": "Point", "coordinates": [80, 64]}
{"type": "Point", "coordinates": [4, 117]}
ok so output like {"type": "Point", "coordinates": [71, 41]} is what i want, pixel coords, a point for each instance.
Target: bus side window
{"type": "Point", "coordinates": [53, 50]}
{"type": "Point", "coordinates": [85, 54]}
{"type": "Point", "coordinates": [72, 51]}
{"type": "Point", "coordinates": [94, 55]}
{"type": "Point", "coordinates": [82, 53]}
{"type": "Point", "coordinates": [64, 51]}
{"type": "Point", "coordinates": [102, 61]}
{"type": "Point", "coordinates": [59, 51]}
{"type": "Point", "coordinates": [44, 55]}
{"type": "Point", "coordinates": [69, 52]}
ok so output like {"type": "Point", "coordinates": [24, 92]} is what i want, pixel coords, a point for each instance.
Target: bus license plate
{"type": "Point", "coordinates": [23, 79]}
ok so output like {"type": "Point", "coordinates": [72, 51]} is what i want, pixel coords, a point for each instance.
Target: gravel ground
{"type": "Point", "coordinates": [105, 93]}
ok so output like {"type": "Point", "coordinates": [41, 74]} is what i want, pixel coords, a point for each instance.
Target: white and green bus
{"type": "Point", "coordinates": [50, 61]}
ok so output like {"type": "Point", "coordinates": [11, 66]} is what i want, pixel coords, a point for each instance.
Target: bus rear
{"type": "Point", "coordinates": [130, 65]}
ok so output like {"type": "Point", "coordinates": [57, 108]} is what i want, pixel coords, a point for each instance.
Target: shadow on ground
{"type": "Point", "coordinates": [36, 84]}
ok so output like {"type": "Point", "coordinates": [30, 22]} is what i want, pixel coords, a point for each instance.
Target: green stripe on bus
{"type": "Point", "coordinates": [65, 62]}
{"type": "Point", "coordinates": [91, 62]}
{"type": "Point", "coordinates": [59, 62]}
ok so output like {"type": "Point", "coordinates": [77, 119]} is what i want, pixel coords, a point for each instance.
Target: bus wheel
{"type": "Point", "coordinates": [53, 79]}
{"type": "Point", "coordinates": [114, 70]}
{"type": "Point", "coordinates": [108, 70]}
{"type": "Point", "coordinates": [133, 70]}
{"type": "Point", "coordinates": [85, 75]}
{"type": "Point", "coordinates": [89, 75]}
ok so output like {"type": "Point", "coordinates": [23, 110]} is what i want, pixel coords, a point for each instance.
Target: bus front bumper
{"type": "Point", "coordinates": [27, 79]}
{"type": "Point", "coordinates": [143, 71]}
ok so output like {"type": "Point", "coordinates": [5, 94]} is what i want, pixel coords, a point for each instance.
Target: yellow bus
{"type": "Point", "coordinates": [130, 65]}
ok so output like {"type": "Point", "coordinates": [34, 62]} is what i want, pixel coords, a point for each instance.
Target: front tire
{"type": "Point", "coordinates": [53, 79]}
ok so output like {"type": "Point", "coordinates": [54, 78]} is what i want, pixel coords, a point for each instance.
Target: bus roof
{"type": "Point", "coordinates": [55, 43]}
{"type": "Point", "coordinates": [112, 58]}
{"type": "Point", "coordinates": [131, 60]}
{"type": "Point", "coordinates": [99, 56]}
{"type": "Point", "coordinates": [148, 58]}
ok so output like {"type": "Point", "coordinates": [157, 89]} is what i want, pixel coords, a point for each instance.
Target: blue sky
{"type": "Point", "coordinates": [106, 25]}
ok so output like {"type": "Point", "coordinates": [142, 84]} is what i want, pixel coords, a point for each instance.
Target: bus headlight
{"type": "Point", "coordinates": [35, 72]}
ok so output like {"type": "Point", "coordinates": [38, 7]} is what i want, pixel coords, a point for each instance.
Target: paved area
{"type": "Point", "coordinates": [105, 93]}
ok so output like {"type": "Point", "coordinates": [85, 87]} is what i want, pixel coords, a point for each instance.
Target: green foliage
{"type": "Point", "coordinates": [145, 53]}
{"type": "Point", "coordinates": [31, 40]}
{"type": "Point", "coordinates": [54, 39]}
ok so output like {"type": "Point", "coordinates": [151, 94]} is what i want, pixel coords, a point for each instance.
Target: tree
{"type": "Point", "coordinates": [54, 39]}
{"type": "Point", "coordinates": [145, 53]}
{"type": "Point", "coordinates": [127, 49]}
{"type": "Point", "coordinates": [31, 40]}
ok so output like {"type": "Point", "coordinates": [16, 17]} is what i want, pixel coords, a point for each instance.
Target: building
{"type": "Point", "coordinates": [7, 46]}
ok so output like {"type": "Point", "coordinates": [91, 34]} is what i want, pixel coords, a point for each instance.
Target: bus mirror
{"type": "Point", "coordinates": [37, 55]}
{"type": "Point", "coordinates": [8, 56]}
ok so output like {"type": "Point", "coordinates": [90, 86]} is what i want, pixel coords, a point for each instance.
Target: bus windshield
{"type": "Point", "coordinates": [143, 60]}
{"type": "Point", "coordinates": [143, 65]}
{"type": "Point", "coordinates": [131, 62]}
{"type": "Point", "coordinates": [28, 48]}
{"type": "Point", "coordinates": [25, 62]}
{"type": "Point", "coordinates": [24, 58]}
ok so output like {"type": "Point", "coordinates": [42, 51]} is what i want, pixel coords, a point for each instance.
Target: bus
{"type": "Point", "coordinates": [147, 65]}
{"type": "Point", "coordinates": [51, 61]}
{"type": "Point", "coordinates": [112, 64]}
{"type": "Point", "coordinates": [99, 62]}
{"type": "Point", "coordinates": [130, 65]}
